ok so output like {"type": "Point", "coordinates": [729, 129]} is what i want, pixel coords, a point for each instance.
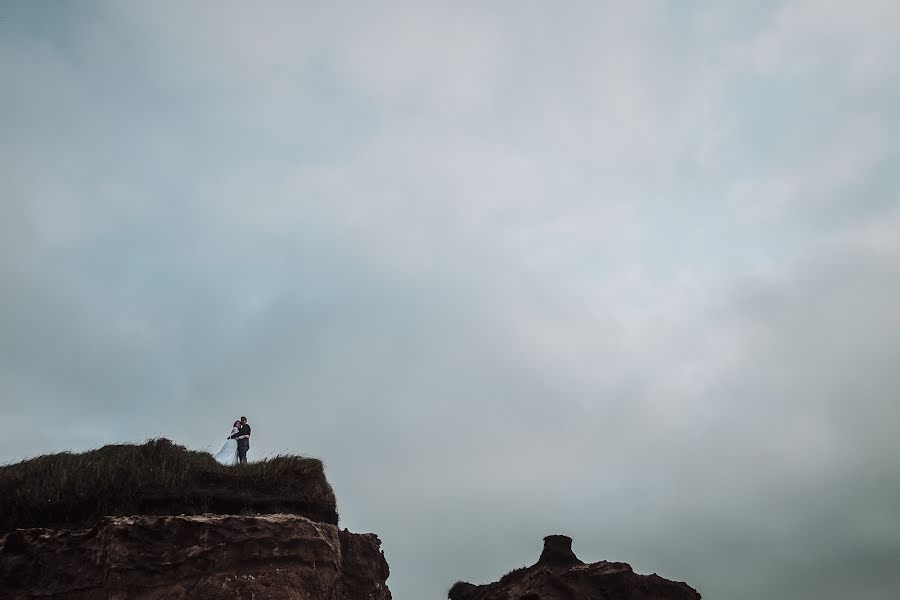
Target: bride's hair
{"type": "Point", "coordinates": [236, 424]}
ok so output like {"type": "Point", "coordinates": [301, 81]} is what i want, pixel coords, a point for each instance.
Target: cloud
{"type": "Point", "coordinates": [623, 273]}
{"type": "Point", "coordinates": [852, 43]}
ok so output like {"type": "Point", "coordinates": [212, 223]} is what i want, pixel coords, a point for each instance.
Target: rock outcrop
{"type": "Point", "coordinates": [156, 520]}
{"type": "Point", "coordinates": [560, 575]}
{"type": "Point", "coordinates": [200, 557]}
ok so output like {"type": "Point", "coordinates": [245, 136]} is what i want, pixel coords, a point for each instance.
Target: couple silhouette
{"type": "Point", "coordinates": [237, 444]}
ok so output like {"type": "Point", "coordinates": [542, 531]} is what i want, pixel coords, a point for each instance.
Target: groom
{"type": "Point", "coordinates": [243, 440]}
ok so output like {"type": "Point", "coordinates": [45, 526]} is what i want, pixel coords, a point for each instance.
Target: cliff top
{"type": "Point", "coordinates": [157, 478]}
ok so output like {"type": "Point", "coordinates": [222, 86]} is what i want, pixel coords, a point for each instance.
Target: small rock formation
{"type": "Point", "coordinates": [200, 557]}
{"type": "Point", "coordinates": [560, 575]}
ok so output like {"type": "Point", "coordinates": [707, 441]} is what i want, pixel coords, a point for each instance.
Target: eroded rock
{"type": "Point", "coordinates": [560, 575]}
{"type": "Point", "coordinates": [201, 557]}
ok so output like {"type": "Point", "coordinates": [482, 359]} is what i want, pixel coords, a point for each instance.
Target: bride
{"type": "Point", "coordinates": [228, 454]}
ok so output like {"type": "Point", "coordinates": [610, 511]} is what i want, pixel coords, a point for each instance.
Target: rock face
{"type": "Point", "coordinates": [202, 557]}
{"type": "Point", "coordinates": [560, 575]}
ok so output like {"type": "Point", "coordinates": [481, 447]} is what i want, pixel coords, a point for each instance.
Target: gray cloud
{"type": "Point", "coordinates": [626, 274]}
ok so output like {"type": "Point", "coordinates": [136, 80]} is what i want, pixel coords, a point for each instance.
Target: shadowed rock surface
{"type": "Point", "coordinates": [203, 557]}
{"type": "Point", "coordinates": [560, 575]}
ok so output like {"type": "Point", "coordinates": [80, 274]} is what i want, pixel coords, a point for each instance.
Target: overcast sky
{"type": "Point", "coordinates": [625, 271]}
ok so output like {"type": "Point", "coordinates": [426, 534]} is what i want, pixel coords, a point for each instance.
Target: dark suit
{"type": "Point", "coordinates": [243, 442]}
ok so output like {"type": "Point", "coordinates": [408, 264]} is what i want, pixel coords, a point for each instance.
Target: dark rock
{"type": "Point", "coordinates": [560, 575]}
{"type": "Point", "coordinates": [204, 557]}
{"type": "Point", "coordinates": [558, 552]}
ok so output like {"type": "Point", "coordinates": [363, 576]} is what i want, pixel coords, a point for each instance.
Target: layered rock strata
{"type": "Point", "coordinates": [560, 575]}
{"type": "Point", "coordinates": [202, 557]}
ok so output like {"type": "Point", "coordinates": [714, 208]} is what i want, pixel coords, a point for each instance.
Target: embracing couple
{"type": "Point", "coordinates": [237, 444]}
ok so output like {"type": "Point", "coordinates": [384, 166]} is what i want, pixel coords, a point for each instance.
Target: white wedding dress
{"type": "Point", "coordinates": [228, 454]}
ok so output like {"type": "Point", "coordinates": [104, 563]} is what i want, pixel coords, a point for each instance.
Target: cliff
{"type": "Point", "coordinates": [156, 521]}
{"type": "Point", "coordinates": [560, 575]}
{"type": "Point", "coordinates": [203, 557]}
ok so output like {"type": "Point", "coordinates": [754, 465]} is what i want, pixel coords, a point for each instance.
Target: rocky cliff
{"type": "Point", "coordinates": [200, 557]}
{"type": "Point", "coordinates": [560, 575]}
{"type": "Point", "coordinates": [156, 520]}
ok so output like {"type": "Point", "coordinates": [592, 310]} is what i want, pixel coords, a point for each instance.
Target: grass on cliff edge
{"type": "Point", "coordinates": [157, 478]}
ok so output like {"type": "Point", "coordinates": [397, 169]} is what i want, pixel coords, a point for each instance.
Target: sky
{"type": "Point", "coordinates": [626, 271]}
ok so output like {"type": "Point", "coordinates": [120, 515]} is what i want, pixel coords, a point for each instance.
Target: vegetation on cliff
{"type": "Point", "coordinates": [157, 478]}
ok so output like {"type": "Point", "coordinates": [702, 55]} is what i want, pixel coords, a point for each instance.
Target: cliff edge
{"type": "Point", "coordinates": [157, 478]}
{"type": "Point", "coordinates": [201, 557]}
{"type": "Point", "coordinates": [157, 521]}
